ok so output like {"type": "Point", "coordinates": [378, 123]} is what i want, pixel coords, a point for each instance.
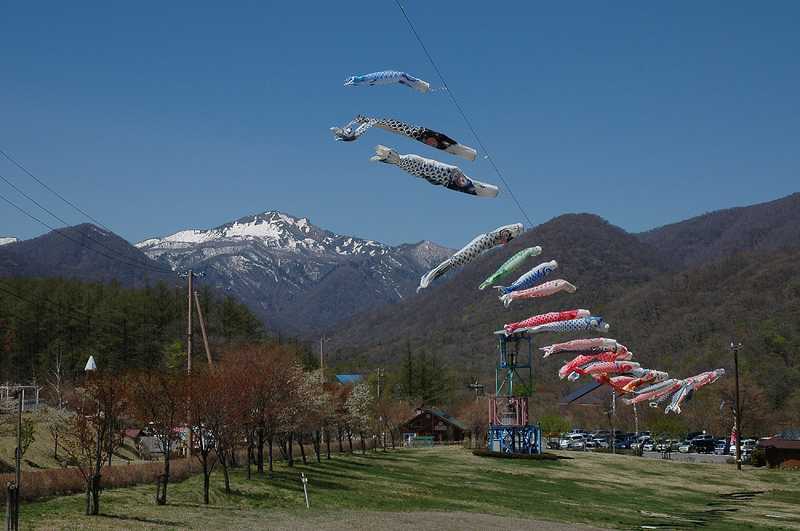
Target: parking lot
{"type": "Point", "coordinates": [689, 458]}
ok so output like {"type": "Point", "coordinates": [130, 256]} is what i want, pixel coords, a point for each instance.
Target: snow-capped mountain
{"type": "Point", "coordinates": [4, 240]}
{"type": "Point", "coordinates": [295, 275]}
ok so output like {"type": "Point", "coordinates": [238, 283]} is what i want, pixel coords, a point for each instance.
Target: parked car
{"type": "Point", "coordinates": [704, 444]}
{"type": "Point", "coordinates": [748, 445]}
{"type": "Point", "coordinates": [685, 447]}
{"type": "Point", "coordinates": [721, 448]}
{"type": "Point", "coordinates": [622, 444]}
{"type": "Point", "coordinates": [649, 446]}
{"type": "Point", "coordinates": [576, 442]}
{"type": "Point", "coordinates": [664, 445]}
{"type": "Point", "coordinates": [573, 441]}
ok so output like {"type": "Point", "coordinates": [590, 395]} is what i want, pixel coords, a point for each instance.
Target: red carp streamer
{"type": "Point", "coordinates": [585, 359]}
{"type": "Point", "coordinates": [545, 318]}
{"type": "Point", "coordinates": [595, 345]}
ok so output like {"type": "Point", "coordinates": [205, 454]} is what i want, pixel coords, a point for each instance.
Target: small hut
{"type": "Point", "coordinates": [434, 423]}
{"type": "Point", "coordinates": [782, 450]}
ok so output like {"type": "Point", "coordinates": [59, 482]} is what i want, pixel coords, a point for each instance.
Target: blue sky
{"type": "Point", "coordinates": [159, 116]}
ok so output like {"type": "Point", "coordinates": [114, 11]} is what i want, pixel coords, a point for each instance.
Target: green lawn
{"type": "Point", "coordinates": [595, 489]}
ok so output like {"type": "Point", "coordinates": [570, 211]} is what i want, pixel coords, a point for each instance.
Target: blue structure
{"type": "Point", "coordinates": [509, 430]}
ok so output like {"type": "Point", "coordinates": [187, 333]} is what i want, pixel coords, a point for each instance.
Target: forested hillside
{"type": "Point", "coordinates": [764, 227]}
{"type": "Point", "coordinates": [121, 327]}
{"type": "Point", "coordinates": [85, 252]}
{"type": "Point", "coordinates": [681, 321]}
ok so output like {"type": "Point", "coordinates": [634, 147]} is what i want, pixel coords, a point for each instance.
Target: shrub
{"type": "Point", "coordinates": [60, 481]}
{"type": "Point", "coordinates": [758, 457]}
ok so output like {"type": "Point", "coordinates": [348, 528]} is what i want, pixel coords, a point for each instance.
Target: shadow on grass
{"type": "Point", "coordinates": [155, 521]}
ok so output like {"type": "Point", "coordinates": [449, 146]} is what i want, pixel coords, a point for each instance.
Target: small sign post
{"type": "Point", "coordinates": [304, 479]}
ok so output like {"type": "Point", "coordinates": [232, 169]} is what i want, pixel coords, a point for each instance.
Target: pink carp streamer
{"type": "Point", "coordinates": [545, 318]}
{"type": "Point", "coordinates": [656, 392]}
{"type": "Point", "coordinates": [586, 346]}
{"type": "Point", "coordinates": [607, 367]}
{"type": "Point", "coordinates": [628, 383]}
{"type": "Point", "coordinates": [689, 386]}
{"type": "Point", "coordinates": [585, 359]}
{"type": "Point", "coordinates": [542, 290]}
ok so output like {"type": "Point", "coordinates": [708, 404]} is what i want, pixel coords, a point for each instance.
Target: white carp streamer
{"type": "Point", "coordinates": [479, 245]}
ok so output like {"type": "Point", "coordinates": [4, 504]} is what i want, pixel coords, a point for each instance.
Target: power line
{"type": "Point", "coordinates": [35, 178]}
{"type": "Point", "coordinates": [55, 216]}
{"type": "Point", "coordinates": [63, 234]}
{"type": "Point", "coordinates": [461, 111]}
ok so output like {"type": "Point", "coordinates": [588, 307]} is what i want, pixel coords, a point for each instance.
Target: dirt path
{"type": "Point", "coordinates": [415, 520]}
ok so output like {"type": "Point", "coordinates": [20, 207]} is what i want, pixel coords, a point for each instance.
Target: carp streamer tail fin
{"type": "Point", "coordinates": [428, 277]}
{"type": "Point", "coordinates": [462, 151]}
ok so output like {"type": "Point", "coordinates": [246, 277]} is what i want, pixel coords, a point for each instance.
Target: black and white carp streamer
{"type": "Point", "coordinates": [360, 124]}
{"type": "Point", "coordinates": [435, 172]}
{"type": "Point", "coordinates": [479, 245]}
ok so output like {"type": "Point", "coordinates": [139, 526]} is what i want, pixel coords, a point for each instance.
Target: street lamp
{"type": "Point", "coordinates": [734, 346]}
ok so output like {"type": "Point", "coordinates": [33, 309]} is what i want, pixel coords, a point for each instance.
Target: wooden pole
{"type": "Point", "coordinates": [203, 329]}
{"type": "Point", "coordinates": [189, 438]}
{"type": "Point", "coordinates": [735, 347]}
{"type": "Point", "coordinates": [189, 327]}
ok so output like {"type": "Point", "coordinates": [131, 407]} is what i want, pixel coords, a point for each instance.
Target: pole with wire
{"type": "Point", "coordinates": [738, 417]}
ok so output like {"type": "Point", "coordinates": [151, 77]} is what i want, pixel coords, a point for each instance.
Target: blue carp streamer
{"type": "Point", "coordinates": [530, 278]}
{"type": "Point", "coordinates": [388, 77]}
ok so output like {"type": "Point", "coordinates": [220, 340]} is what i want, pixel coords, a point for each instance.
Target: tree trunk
{"type": "Point", "coordinates": [249, 455]}
{"type": "Point", "coordinates": [363, 448]}
{"type": "Point", "coordinates": [339, 432]}
{"type": "Point", "coordinates": [289, 450]}
{"type": "Point", "coordinates": [302, 449]}
{"type": "Point", "coordinates": [269, 440]}
{"type": "Point", "coordinates": [391, 435]}
{"type": "Point", "coordinates": [261, 451]}
{"type": "Point", "coordinates": [282, 448]}
{"type": "Point", "coordinates": [328, 442]}
{"type": "Point", "coordinates": [206, 478]}
{"type": "Point", "coordinates": [93, 495]}
{"type": "Point", "coordinates": [317, 443]}
{"type": "Point", "coordinates": [350, 440]}
{"type": "Point", "coordinates": [161, 499]}
{"type": "Point", "coordinates": [224, 462]}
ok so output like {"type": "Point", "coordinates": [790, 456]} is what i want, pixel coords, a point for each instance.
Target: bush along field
{"type": "Point", "coordinates": [450, 486]}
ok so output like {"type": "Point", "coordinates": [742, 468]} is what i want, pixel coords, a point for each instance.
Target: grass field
{"type": "Point", "coordinates": [411, 488]}
{"type": "Point", "coordinates": [40, 453]}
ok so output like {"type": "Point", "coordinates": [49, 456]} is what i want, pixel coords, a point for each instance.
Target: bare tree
{"type": "Point", "coordinates": [158, 400]}
{"type": "Point", "coordinates": [87, 436]}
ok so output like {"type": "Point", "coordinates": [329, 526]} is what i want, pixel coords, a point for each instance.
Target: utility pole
{"type": "Point", "coordinates": [380, 377]}
{"type": "Point", "coordinates": [322, 358]}
{"type": "Point", "coordinates": [477, 387]}
{"type": "Point", "coordinates": [190, 276]}
{"type": "Point", "coordinates": [613, 418]}
{"type": "Point", "coordinates": [738, 418]}
{"type": "Point", "coordinates": [13, 489]}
